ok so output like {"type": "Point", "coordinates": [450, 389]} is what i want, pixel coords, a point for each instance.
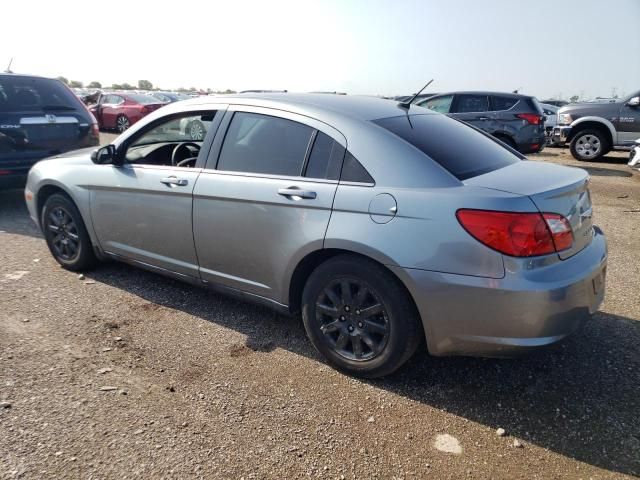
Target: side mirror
{"type": "Point", "coordinates": [634, 102]}
{"type": "Point", "coordinates": [104, 155]}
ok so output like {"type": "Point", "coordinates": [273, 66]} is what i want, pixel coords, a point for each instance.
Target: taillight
{"type": "Point", "coordinates": [95, 130]}
{"type": "Point", "coordinates": [518, 234]}
{"type": "Point", "coordinates": [532, 118]}
{"type": "Point", "coordinates": [145, 110]}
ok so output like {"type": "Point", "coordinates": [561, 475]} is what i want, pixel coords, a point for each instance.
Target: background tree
{"type": "Point", "coordinates": [574, 99]}
{"type": "Point", "coordinates": [145, 85]}
{"type": "Point", "coordinates": [64, 80]}
{"type": "Point", "coordinates": [94, 84]}
{"type": "Point", "coordinates": [116, 86]}
{"type": "Point", "coordinates": [76, 84]}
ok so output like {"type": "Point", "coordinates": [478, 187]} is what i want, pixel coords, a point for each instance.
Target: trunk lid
{"type": "Point", "coordinates": [553, 189]}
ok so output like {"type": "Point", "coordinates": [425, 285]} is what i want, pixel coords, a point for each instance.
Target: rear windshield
{"type": "Point", "coordinates": [535, 104]}
{"type": "Point", "coordinates": [460, 149]}
{"type": "Point", "coordinates": [144, 99]}
{"type": "Point", "coordinates": [32, 94]}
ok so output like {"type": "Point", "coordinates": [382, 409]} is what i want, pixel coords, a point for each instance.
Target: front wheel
{"type": "Point", "coordinates": [359, 316]}
{"type": "Point", "coordinates": [65, 234]}
{"type": "Point", "coordinates": [122, 123]}
{"type": "Point", "coordinates": [589, 145]}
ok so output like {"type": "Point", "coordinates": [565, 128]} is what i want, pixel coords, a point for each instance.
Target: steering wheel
{"type": "Point", "coordinates": [181, 153]}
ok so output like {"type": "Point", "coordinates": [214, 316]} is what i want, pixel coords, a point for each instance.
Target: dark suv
{"type": "Point", "coordinates": [39, 117]}
{"type": "Point", "coordinates": [517, 120]}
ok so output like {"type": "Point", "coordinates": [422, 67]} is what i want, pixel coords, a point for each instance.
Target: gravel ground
{"type": "Point", "coordinates": [125, 374]}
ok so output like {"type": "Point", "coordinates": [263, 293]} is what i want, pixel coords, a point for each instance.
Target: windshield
{"type": "Point", "coordinates": [33, 94]}
{"type": "Point", "coordinates": [460, 149]}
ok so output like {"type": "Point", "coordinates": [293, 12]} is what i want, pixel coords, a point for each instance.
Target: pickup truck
{"type": "Point", "coordinates": [594, 129]}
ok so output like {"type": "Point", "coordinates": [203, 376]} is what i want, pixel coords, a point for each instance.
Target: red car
{"type": "Point", "coordinates": [121, 110]}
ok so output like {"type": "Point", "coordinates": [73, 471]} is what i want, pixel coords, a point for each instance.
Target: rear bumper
{"type": "Point", "coordinates": [13, 178]}
{"type": "Point", "coordinates": [528, 308]}
{"type": "Point", "coordinates": [561, 135]}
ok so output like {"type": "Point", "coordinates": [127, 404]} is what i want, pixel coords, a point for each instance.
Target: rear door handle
{"type": "Point", "coordinates": [296, 193]}
{"type": "Point", "coordinates": [483, 118]}
{"type": "Point", "coordinates": [175, 181]}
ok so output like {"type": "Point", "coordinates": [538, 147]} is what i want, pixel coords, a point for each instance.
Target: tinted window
{"type": "Point", "coordinates": [325, 159]}
{"type": "Point", "coordinates": [264, 144]}
{"type": "Point", "coordinates": [502, 103]}
{"type": "Point", "coordinates": [144, 99]}
{"type": "Point", "coordinates": [471, 103]}
{"type": "Point", "coordinates": [438, 104]}
{"type": "Point", "coordinates": [353, 171]}
{"type": "Point", "coordinates": [28, 94]}
{"type": "Point", "coordinates": [460, 149]}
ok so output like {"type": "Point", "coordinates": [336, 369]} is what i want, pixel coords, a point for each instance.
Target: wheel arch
{"type": "Point", "coordinates": [595, 123]}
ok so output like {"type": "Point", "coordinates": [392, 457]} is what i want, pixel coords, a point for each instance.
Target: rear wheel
{"type": "Point", "coordinates": [588, 145]}
{"type": "Point", "coordinates": [359, 316]}
{"type": "Point", "coordinates": [65, 233]}
{"type": "Point", "coordinates": [122, 123]}
{"type": "Point", "coordinates": [196, 130]}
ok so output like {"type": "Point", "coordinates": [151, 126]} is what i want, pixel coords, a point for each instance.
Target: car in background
{"type": "Point", "coordinates": [634, 155]}
{"type": "Point", "coordinates": [118, 110]}
{"type": "Point", "coordinates": [516, 120]}
{"type": "Point", "coordinates": [594, 129]}
{"type": "Point", "coordinates": [39, 117]}
{"type": "Point", "coordinates": [169, 97]}
{"type": "Point", "coordinates": [384, 226]}
{"type": "Point", "coordinates": [555, 103]}
{"type": "Point", "coordinates": [418, 98]}
{"type": "Point", "coordinates": [551, 120]}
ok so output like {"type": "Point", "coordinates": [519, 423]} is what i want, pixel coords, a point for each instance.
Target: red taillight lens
{"type": "Point", "coordinates": [532, 118]}
{"type": "Point", "coordinates": [95, 130]}
{"type": "Point", "coordinates": [518, 234]}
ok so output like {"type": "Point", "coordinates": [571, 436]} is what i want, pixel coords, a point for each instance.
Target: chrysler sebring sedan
{"type": "Point", "coordinates": [384, 226]}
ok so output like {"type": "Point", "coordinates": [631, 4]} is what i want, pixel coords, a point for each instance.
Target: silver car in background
{"type": "Point", "coordinates": [382, 224]}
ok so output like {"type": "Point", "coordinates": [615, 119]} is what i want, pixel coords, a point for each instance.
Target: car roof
{"type": "Point", "coordinates": [483, 92]}
{"type": "Point", "coordinates": [353, 106]}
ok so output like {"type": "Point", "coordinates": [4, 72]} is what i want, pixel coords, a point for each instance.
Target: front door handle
{"type": "Point", "coordinates": [483, 118]}
{"type": "Point", "coordinates": [296, 193]}
{"type": "Point", "coordinates": [175, 181]}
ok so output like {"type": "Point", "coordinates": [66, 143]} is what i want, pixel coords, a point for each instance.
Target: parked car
{"type": "Point", "coordinates": [550, 121]}
{"type": "Point", "coordinates": [594, 129]}
{"type": "Point", "coordinates": [517, 120]}
{"type": "Point", "coordinates": [39, 117]}
{"type": "Point", "coordinates": [381, 224]}
{"type": "Point", "coordinates": [169, 97]}
{"type": "Point", "coordinates": [555, 103]}
{"type": "Point", "coordinates": [118, 111]}
{"type": "Point", "coordinates": [634, 155]}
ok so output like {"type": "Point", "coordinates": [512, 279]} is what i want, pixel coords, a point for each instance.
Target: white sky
{"type": "Point", "coordinates": [545, 47]}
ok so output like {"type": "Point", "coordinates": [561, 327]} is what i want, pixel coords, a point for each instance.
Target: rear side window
{"type": "Point", "coordinates": [471, 104]}
{"type": "Point", "coordinates": [325, 159]}
{"type": "Point", "coordinates": [460, 149]}
{"type": "Point", "coordinates": [353, 171]}
{"type": "Point", "coordinates": [258, 143]}
{"type": "Point", "coordinates": [502, 103]}
{"type": "Point", "coordinates": [32, 94]}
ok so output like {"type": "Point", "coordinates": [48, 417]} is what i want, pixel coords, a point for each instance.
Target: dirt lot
{"type": "Point", "coordinates": [126, 374]}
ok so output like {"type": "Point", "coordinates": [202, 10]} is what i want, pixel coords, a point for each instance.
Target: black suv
{"type": "Point", "coordinates": [517, 120]}
{"type": "Point", "coordinates": [39, 117]}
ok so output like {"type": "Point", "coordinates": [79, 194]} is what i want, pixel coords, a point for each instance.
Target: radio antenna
{"type": "Point", "coordinates": [8, 70]}
{"type": "Point", "coordinates": [407, 104]}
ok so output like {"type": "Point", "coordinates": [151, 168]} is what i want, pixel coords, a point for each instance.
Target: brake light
{"type": "Point", "coordinates": [532, 118]}
{"type": "Point", "coordinates": [518, 234]}
{"type": "Point", "coordinates": [95, 130]}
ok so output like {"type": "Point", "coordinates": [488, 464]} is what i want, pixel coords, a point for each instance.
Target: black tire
{"type": "Point", "coordinates": [589, 145]}
{"type": "Point", "coordinates": [507, 140]}
{"type": "Point", "coordinates": [387, 338]}
{"type": "Point", "coordinates": [122, 123]}
{"type": "Point", "coordinates": [66, 234]}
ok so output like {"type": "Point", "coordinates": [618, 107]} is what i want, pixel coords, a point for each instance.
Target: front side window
{"type": "Point", "coordinates": [258, 143]}
{"type": "Point", "coordinates": [438, 104]}
{"type": "Point", "coordinates": [471, 104]}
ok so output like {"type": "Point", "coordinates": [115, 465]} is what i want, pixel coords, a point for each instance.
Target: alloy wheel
{"type": "Point", "coordinates": [64, 234]}
{"type": "Point", "coordinates": [196, 131]}
{"type": "Point", "coordinates": [122, 124]}
{"type": "Point", "coordinates": [352, 319]}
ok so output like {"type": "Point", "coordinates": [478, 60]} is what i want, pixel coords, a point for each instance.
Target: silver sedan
{"type": "Point", "coordinates": [383, 225]}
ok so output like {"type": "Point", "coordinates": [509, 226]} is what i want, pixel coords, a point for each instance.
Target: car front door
{"type": "Point", "coordinates": [628, 124]}
{"type": "Point", "coordinates": [262, 202]}
{"type": "Point", "coordinates": [142, 210]}
{"type": "Point", "coordinates": [473, 109]}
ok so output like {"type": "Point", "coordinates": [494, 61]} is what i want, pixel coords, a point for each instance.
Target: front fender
{"type": "Point", "coordinates": [601, 120]}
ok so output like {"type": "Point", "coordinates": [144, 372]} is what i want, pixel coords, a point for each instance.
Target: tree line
{"type": "Point", "coordinates": [142, 85]}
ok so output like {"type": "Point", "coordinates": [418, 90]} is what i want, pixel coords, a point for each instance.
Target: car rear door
{"type": "Point", "coordinates": [260, 205]}
{"type": "Point", "coordinates": [473, 109]}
